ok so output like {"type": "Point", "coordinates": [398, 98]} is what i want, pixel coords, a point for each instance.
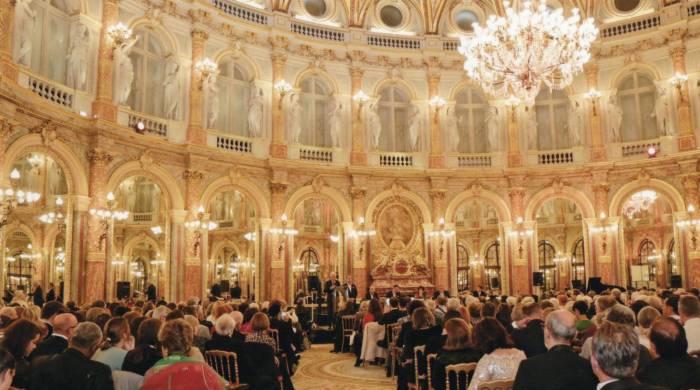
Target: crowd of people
{"type": "Point", "coordinates": [644, 339]}
{"type": "Point", "coordinates": [139, 344]}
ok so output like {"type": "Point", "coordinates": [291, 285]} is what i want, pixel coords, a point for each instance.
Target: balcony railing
{"type": "Point", "coordinates": [240, 12]}
{"type": "Point", "coordinates": [316, 154]}
{"type": "Point", "coordinates": [234, 144]}
{"type": "Point", "coordinates": [317, 32]}
{"type": "Point", "coordinates": [394, 43]}
{"type": "Point", "coordinates": [151, 125]}
{"type": "Point", "coordinates": [142, 218]}
{"type": "Point", "coordinates": [474, 161]}
{"type": "Point", "coordinates": [396, 160]}
{"type": "Point", "coordinates": [631, 26]}
{"type": "Point", "coordinates": [51, 92]}
{"type": "Point", "coordinates": [555, 158]}
{"type": "Point", "coordinates": [639, 148]}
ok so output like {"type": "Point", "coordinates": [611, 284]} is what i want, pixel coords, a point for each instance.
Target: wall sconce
{"type": "Point", "coordinates": [691, 223]}
{"type": "Point", "coordinates": [603, 229]}
{"type": "Point", "coordinates": [250, 236]}
{"type": "Point", "coordinates": [283, 88]}
{"type": "Point", "coordinates": [283, 231]}
{"type": "Point", "coordinates": [206, 68]}
{"type": "Point", "coordinates": [200, 225]}
{"type": "Point", "coordinates": [437, 102]}
{"type": "Point", "coordinates": [107, 215]}
{"type": "Point", "coordinates": [593, 95]}
{"type": "Point", "coordinates": [117, 261]}
{"type": "Point", "coordinates": [360, 98]}
{"type": "Point", "coordinates": [119, 33]}
{"type": "Point", "coordinates": [443, 234]}
{"type": "Point", "coordinates": [55, 215]}
{"type": "Point", "coordinates": [157, 230]}
{"type": "Point", "coordinates": [519, 234]}
{"type": "Point", "coordinates": [677, 81]}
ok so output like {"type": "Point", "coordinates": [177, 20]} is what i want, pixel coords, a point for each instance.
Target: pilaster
{"type": "Point", "coordinates": [278, 265]}
{"type": "Point", "coordinates": [103, 107]}
{"type": "Point", "coordinates": [686, 137]}
{"type": "Point", "coordinates": [195, 127]}
{"type": "Point", "coordinates": [515, 158]}
{"type": "Point", "coordinates": [195, 239]}
{"type": "Point", "coordinates": [358, 155]}
{"type": "Point", "coordinates": [278, 146]}
{"type": "Point", "coordinates": [594, 119]}
{"type": "Point", "coordinates": [437, 157]}
{"type": "Point", "coordinates": [8, 68]}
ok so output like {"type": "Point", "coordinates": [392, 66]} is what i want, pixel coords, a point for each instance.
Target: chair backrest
{"type": "Point", "coordinates": [496, 385]}
{"type": "Point", "coordinates": [348, 323]}
{"type": "Point", "coordinates": [419, 362]}
{"type": "Point", "coordinates": [457, 369]}
{"type": "Point", "coordinates": [275, 334]}
{"type": "Point", "coordinates": [224, 363]}
{"type": "Point", "coordinates": [429, 361]}
{"type": "Point", "coordinates": [395, 331]}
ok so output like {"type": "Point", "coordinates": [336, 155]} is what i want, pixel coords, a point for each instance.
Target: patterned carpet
{"type": "Point", "coordinates": [322, 370]}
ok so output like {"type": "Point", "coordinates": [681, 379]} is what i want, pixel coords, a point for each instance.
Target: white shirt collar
{"type": "Point", "coordinates": [602, 384]}
{"type": "Point", "coordinates": [59, 335]}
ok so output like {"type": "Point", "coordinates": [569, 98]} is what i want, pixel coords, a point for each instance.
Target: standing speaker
{"type": "Point", "coordinates": [495, 284]}
{"type": "Point", "coordinates": [676, 281]}
{"type": "Point", "coordinates": [123, 290]}
{"type": "Point", "coordinates": [538, 279]}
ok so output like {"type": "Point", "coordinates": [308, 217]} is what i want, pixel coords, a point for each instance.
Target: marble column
{"type": "Point", "coordinates": [278, 146]}
{"type": "Point", "coordinates": [360, 269]}
{"type": "Point", "coordinates": [515, 158]}
{"type": "Point", "coordinates": [8, 68]}
{"type": "Point", "coordinates": [520, 246]}
{"type": "Point", "coordinates": [686, 137]}
{"type": "Point", "coordinates": [594, 118]}
{"type": "Point", "coordinates": [690, 189]}
{"type": "Point", "coordinates": [195, 128]}
{"type": "Point", "coordinates": [279, 250]}
{"type": "Point", "coordinates": [76, 246]}
{"type": "Point", "coordinates": [103, 107]}
{"type": "Point", "coordinates": [95, 269]}
{"type": "Point", "coordinates": [436, 160]}
{"type": "Point", "coordinates": [5, 133]}
{"type": "Point", "coordinates": [358, 156]}
{"type": "Point", "coordinates": [195, 239]}
{"type": "Point", "coordinates": [442, 244]}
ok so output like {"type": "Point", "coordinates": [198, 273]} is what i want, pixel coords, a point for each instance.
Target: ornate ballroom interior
{"type": "Point", "coordinates": [271, 142]}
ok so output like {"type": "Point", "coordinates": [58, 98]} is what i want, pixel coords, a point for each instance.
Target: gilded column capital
{"type": "Point", "coordinates": [278, 188]}
{"type": "Point", "coordinates": [99, 156]}
{"type": "Point", "coordinates": [199, 35]}
{"type": "Point", "coordinates": [192, 175]}
{"type": "Point", "coordinates": [356, 73]}
{"type": "Point", "coordinates": [279, 42]}
{"type": "Point", "coordinates": [357, 193]}
{"type": "Point", "coordinates": [437, 194]}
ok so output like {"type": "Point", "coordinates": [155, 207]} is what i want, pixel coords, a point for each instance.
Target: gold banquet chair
{"type": "Point", "coordinates": [457, 369]}
{"type": "Point", "coordinates": [419, 361]}
{"type": "Point", "coordinates": [225, 364]}
{"type": "Point", "coordinates": [496, 385]}
{"type": "Point", "coordinates": [347, 324]}
{"type": "Point", "coordinates": [429, 360]}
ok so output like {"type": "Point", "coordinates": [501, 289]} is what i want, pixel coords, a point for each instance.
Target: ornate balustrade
{"type": "Point", "coordinates": [317, 32]}
{"type": "Point", "coordinates": [631, 149]}
{"type": "Point", "coordinates": [241, 12]}
{"type": "Point", "coordinates": [555, 157]}
{"type": "Point", "coordinates": [631, 26]}
{"type": "Point", "coordinates": [398, 160]}
{"type": "Point", "coordinates": [475, 161]}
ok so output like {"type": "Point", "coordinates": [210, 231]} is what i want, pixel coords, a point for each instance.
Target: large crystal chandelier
{"type": "Point", "coordinates": [639, 202]}
{"type": "Point", "coordinates": [531, 45]}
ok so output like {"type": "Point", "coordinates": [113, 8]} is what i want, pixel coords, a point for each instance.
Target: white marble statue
{"type": "Point", "coordinates": [77, 56]}
{"type": "Point", "coordinates": [25, 20]}
{"type": "Point", "coordinates": [373, 125]}
{"type": "Point", "coordinates": [493, 128]}
{"type": "Point", "coordinates": [255, 111]}
{"type": "Point", "coordinates": [530, 127]}
{"type": "Point", "coordinates": [614, 119]}
{"type": "Point", "coordinates": [575, 123]}
{"type": "Point", "coordinates": [662, 111]}
{"type": "Point", "coordinates": [124, 71]}
{"type": "Point", "coordinates": [414, 128]}
{"type": "Point", "coordinates": [451, 130]}
{"type": "Point", "coordinates": [171, 89]}
{"type": "Point", "coordinates": [294, 117]}
{"type": "Point", "coordinates": [211, 97]}
{"type": "Point", "coordinates": [335, 121]}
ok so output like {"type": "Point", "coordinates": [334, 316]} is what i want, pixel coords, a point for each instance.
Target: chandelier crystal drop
{"type": "Point", "coordinates": [532, 44]}
{"type": "Point", "coordinates": [638, 202]}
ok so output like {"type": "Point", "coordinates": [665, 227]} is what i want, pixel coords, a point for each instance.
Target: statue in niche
{"type": "Point", "coordinates": [493, 127]}
{"type": "Point", "coordinates": [335, 120]}
{"type": "Point", "coordinates": [614, 119]}
{"type": "Point", "coordinates": [451, 130]}
{"type": "Point", "coordinates": [294, 117]}
{"type": "Point", "coordinates": [662, 111]}
{"type": "Point", "coordinates": [211, 96]}
{"type": "Point", "coordinates": [77, 56]}
{"type": "Point", "coordinates": [373, 124]}
{"type": "Point", "coordinates": [25, 20]}
{"type": "Point", "coordinates": [124, 71]}
{"type": "Point", "coordinates": [414, 128]}
{"type": "Point", "coordinates": [575, 122]}
{"type": "Point", "coordinates": [530, 122]}
{"type": "Point", "coordinates": [171, 89]}
{"type": "Point", "coordinates": [255, 111]}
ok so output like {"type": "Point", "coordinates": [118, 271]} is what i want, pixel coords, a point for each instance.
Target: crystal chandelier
{"type": "Point", "coordinates": [639, 201]}
{"type": "Point", "coordinates": [532, 44]}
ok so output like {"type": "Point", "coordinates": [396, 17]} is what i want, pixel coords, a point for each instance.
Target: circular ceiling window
{"type": "Point", "coordinates": [315, 8]}
{"type": "Point", "coordinates": [391, 16]}
{"type": "Point", "coordinates": [626, 5]}
{"type": "Point", "coordinates": [464, 20]}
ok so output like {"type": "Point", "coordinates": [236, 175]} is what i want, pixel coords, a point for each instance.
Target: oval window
{"type": "Point", "coordinates": [464, 20]}
{"type": "Point", "coordinates": [315, 8]}
{"type": "Point", "coordinates": [391, 16]}
{"type": "Point", "coordinates": [626, 5]}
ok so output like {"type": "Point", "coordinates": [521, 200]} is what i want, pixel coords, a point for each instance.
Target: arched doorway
{"type": "Point", "coordinates": [20, 256]}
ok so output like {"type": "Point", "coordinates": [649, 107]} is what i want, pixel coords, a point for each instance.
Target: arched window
{"type": "Point", "coordinates": [671, 268]}
{"type": "Point", "coordinates": [19, 257]}
{"type": "Point", "coordinates": [462, 268]}
{"type": "Point", "coordinates": [139, 274]}
{"type": "Point", "coordinates": [578, 263]}
{"type": "Point", "coordinates": [394, 110]}
{"type": "Point", "coordinates": [234, 91]}
{"type": "Point", "coordinates": [232, 210]}
{"type": "Point", "coordinates": [148, 57]}
{"type": "Point", "coordinates": [315, 96]}
{"type": "Point", "coordinates": [471, 109]}
{"type": "Point", "coordinates": [41, 173]}
{"type": "Point", "coordinates": [546, 254]}
{"type": "Point", "coordinates": [52, 32]}
{"type": "Point", "coordinates": [637, 96]}
{"type": "Point", "coordinates": [646, 249]}
{"type": "Point", "coordinates": [307, 265]}
{"type": "Point", "coordinates": [492, 265]}
{"type": "Point", "coordinates": [551, 111]}
{"type": "Point", "coordinates": [142, 198]}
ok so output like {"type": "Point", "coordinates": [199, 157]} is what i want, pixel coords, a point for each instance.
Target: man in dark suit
{"type": "Point", "coordinates": [351, 289]}
{"type": "Point", "coordinates": [73, 369]}
{"type": "Point", "coordinates": [673, 367]}
{"type": "Point", "coordinates": [614, 358]}
{"type": "Point", "coordinates": [51, 294]}
{"type": "Point", "coordinates": [394, 314]}
{"type": "Point", "coordinates": [38, 295]}
{"type": "Point", "coordinates": [63, 326]}
{"type": "Point", "coordinates": [49, 311]}
{"type": "Point", "coordinates": [560, 367]}
{"type": "Point", "coordinates": [394, 293]}
{"type": "Point", "coordinates": [236, 291]}
{"type": "Point", "coordinates": [331, 288]}
{"type": "Point", "coordinates": [151, 292]}
{"type": "Point", "coordinates": [216, 291]}
{"type": "Point", "coordinates": [530, 336]}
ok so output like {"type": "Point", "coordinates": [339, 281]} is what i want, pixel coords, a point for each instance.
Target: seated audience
{"type": "Point", "coordinates": [117, 342]}
{"type": "Point", "coordinates": [422, 329]}
{"type": "Point", "coordinates": [560, 367]}
{"type": "Point", "coordinates": [259, 365]}
{"type": "Point", "coordinates": [20, 339]}
{"type": "Point", "coordinates": [221, 340]}
{"type": "Point", "coordinates": [529, 337]}
{"type": "Point", "coordinates": [456, 350]}
{"type": "Point", "coordinates": [7, 369]}
{"type": "Point", "coordinates": [176, 366]}
{"type": "Point", "coordinates": [147, 351]}
{"type": "Point", "coordinates": [500, 360]}
{"type": "Point", "coordinates": [615, 356]}
{"type": "Point", "coordinates": [689, 311]}
{"type": "Point", "coordinates": [57, 342]}
{"type": "Point", "coordinates": [672, 368]}
{"type": "Point", "coordinates": [73, 369]}
{"type": "Point", "coordinates": [645, 318]}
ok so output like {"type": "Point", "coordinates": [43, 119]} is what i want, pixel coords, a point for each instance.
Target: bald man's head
{"type": "Point", "coordinates": [561, 326]}
{"type": "Point", "coordinates": [668, 338]}
{"type": "Point", "coordinates": [64, 324]}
